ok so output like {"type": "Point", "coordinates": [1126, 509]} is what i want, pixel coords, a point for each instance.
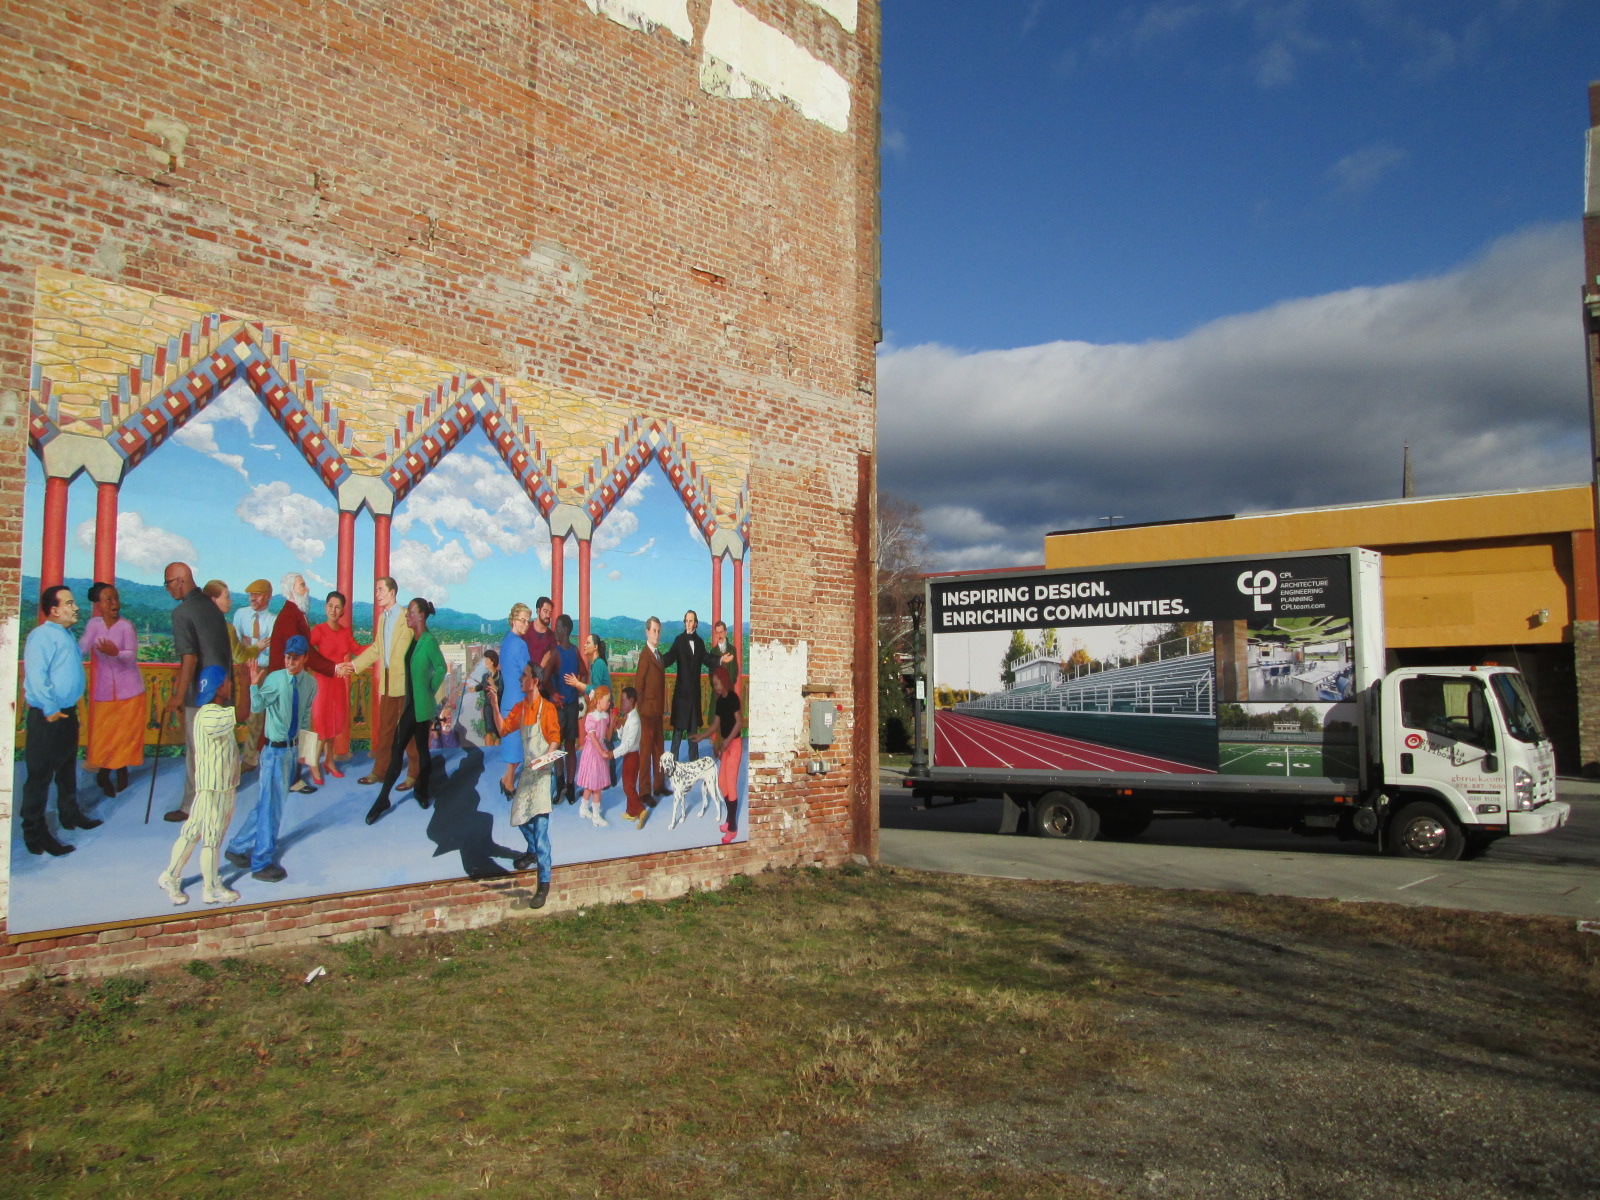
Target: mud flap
{"type": "Point", "coordinates": [1011, 813]}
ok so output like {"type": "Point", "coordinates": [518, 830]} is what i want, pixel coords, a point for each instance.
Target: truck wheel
{"type": "Point", "coordinates": [1422, 829]}
{"type": "Point", "coordinates": [1060, 815]}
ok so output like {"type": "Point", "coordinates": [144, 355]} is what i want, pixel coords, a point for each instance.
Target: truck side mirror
{"type": "Point", "coordinates": [1491, 762]}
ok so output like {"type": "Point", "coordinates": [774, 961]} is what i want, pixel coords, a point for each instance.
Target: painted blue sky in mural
{"type": "Point", "coordinates": [231, 496]}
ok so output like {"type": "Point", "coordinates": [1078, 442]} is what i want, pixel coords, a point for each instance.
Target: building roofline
{"type": "Point", "coordinates": [1291, 512]}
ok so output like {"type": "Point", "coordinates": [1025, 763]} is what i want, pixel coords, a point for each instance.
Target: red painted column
{"type": "Point", "coordinates": [738, 614]}
{"type": "Point", "coordinates": [716, 589]}
{"type": "Point", "coordinates": [345, 578]}
{"type": "Point", "coordinates": [105, 533]}
{"type": "Point", "coordinates": [53, 556]}
{"type": "Point", "coordinates": [380, 546]}
{"type": "Point", "coordinates": [558, 571]}
{"type": "Point", "coordinates": [583, 589]}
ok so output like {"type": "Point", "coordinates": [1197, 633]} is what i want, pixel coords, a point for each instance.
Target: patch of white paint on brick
{"type": "Point", "coordinates": [842, 11]}
{"type": "Point", "coordinates": [777, 705]}
{"type": "Point", "coordinates": [646, 15]}
{"type": "Point", "coordinates": [744, 57]}
{"type": "Point", "coordinates": [8, 749]}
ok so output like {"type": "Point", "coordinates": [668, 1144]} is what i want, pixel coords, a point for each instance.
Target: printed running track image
{"type": "Point", "coordinates": [961, 740]}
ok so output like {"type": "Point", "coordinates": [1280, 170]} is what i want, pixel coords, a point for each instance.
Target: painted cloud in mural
{"type": "Point", "coordinates": [143, 548]}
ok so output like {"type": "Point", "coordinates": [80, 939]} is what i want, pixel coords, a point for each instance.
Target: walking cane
{"type": "Point", "coordinates": [155, 765]}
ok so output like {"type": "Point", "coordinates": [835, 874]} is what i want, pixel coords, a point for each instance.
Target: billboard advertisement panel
{"type": "Point", "coordinates": [1226, 667]}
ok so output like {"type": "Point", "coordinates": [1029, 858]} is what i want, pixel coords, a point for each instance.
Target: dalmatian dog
{"type": "Point", "coordinates": [684, 777]}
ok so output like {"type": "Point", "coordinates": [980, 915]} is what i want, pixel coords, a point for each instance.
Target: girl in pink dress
{"type": "Point", "coordinates": [594, 772]}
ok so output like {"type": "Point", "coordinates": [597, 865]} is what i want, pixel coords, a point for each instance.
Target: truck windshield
{"type": "Point", "coordinates": [1522, 719]}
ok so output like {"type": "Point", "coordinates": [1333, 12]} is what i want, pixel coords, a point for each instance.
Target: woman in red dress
{"type": "Point", "coordinates": [330, 711]}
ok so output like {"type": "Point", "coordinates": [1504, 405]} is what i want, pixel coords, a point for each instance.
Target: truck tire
{"type": "Point", "coordinates": [1061, 815]}
{"type": "Point", "coordinates": [1423, 829]}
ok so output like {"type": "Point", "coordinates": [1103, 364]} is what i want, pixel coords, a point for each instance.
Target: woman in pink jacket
{"type": "Point", "coordinates": [117, 715]}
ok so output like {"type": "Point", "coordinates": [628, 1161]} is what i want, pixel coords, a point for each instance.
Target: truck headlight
{"type": "Point", "coordinates": [1522, 790]}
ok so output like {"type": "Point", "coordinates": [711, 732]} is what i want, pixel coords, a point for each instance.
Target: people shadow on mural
{"type": "Point", "coordinates": [457, 825]}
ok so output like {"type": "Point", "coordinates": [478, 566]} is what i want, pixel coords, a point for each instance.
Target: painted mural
{"type": "Point", "coordinates": [293, 475]}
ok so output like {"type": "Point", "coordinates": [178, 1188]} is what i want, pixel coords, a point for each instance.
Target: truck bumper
{"type": "Point", "coordinates": [1542, 819]}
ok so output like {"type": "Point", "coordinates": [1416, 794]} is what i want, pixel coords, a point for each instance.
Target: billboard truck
{"type": "Point", "coordinates": [1254, 690]}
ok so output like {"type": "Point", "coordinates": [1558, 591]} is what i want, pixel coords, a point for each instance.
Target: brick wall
{"type": "Point", "coordinates": [536, 188]}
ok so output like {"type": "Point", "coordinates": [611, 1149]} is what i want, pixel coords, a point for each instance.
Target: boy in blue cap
{"type": "Point", "coordinates": [216, 780]}
{"type": "Point", "coordinates": [285, 697]}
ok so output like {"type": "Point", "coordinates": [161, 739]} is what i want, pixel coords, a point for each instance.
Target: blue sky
{"type": "Point", "coordinates": [466, 538]}
{"type": "Point", "coordinates": [1111, 229]}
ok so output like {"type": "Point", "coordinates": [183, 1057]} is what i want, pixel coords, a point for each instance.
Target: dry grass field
{"type": "Point", "coordinates": [861, 1033]}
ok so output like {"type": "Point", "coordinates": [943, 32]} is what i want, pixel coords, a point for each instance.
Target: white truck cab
{"type": "Point", "coordinates": [1464, 760]}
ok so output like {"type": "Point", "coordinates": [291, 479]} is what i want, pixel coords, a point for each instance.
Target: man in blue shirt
{"type": "Point", "coordinates": [52, 686]}
{"type": "Point", "coordinates": [568, 663]}
{"type": "Point", "coordinates": [284, 698]}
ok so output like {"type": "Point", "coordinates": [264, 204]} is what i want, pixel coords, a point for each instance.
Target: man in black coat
{"type": "Point", "coordinates": [688, 655]}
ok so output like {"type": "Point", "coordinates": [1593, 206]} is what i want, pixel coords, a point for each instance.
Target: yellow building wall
{"type": "Point", "coordinates": [1458, 571]}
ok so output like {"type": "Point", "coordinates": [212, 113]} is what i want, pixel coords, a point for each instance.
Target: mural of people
{"type": "Point", "coordinates": [535, 718]}
{"type": "Point", "coordinates": [216, 783]}
{"type": "Point", "coordinates": [284, 697]}
{"type": "Point", "coordinates": [330, 714]}
{"type": "Point", "coordinates": [475, 493]}
{"type": "Point", "coordinates": [726, 732]}
{"type": "Point", "coordinates": [425, 681]}
{"type": "Point", "coordinates": [514, 655]}
{"type": "Point", "coordinates": [116, 695]}
{"type": "Point", "coordinates": [594, 774]}
{"type": "Point", "coordinates": [53, 684]}
{"type": "Point", "coordinates": [687, 656]}
{"type": "Point", "coordinates": [200, 640]}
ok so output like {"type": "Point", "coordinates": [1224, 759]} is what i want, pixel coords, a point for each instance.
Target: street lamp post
{"type": "Point", "coordinates": [919, 757]}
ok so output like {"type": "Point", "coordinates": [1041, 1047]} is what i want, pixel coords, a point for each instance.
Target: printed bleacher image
{"type": "Point", "coordinates": [1099, 698]}
{"type": "Point", "coordinates": [1312, 740]}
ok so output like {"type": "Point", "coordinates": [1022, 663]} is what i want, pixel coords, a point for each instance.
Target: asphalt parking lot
{"type": "Point", "coordinates": [1556, 874]}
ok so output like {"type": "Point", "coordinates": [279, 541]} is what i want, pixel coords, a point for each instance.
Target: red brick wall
{"type": "Point", "coordinates": [385, 170]}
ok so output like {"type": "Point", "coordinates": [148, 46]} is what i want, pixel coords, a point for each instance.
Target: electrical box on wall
{"type": "Point", "coordinates": [823, 713]}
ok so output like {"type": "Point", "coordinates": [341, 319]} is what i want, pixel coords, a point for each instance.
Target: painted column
{"type": "Point", "coordinates": [53, 556]}
{"type": "Point", "coordinates": [584, 545]}
{"type": "Point", "coordinates": [345, 579]}
{"type": "Point", "coordinates": [738, 613]}
{"type": "Point", "coordinates": [558, 570]}
{"type": "Point", "coordinates": [105, 533]}
{"type": "Point", "coordinates": [380, 545]}
{"type": "Point", "coordinates": [716, 588]}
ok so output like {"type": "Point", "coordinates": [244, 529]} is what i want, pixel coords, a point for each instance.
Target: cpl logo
{"type": "Point", "coordinates": [1413, 741]}
{"type": "Point", "coordinates": [1259, 584]}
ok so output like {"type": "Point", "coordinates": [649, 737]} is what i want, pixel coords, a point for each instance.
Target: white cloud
{"type": "Point", "coordinates": [474, 496]}
{"type": "Point", "coordinates": [637, 489]}
{"type": "Point", "coordinates": [1358, 173]}
{"type": "Point", "coordinates": [695, 535]}
{"type": "Point", "coordinates": [613, 575]}
{"type": "Point", "coordinates": [236, 403]}
{"type": "Point", "coordinates": [620, 525]}
{"type": "Point", "coordinates": [1304, 403]}
{"type": "Point", "coordinates": [424, 571]}
{"type": "Point", "coordinates": [301, 523]}
{"type": "Point", "coordinates": [143, 549]}
{"type": "Point", "coordinates": [644, 549]}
